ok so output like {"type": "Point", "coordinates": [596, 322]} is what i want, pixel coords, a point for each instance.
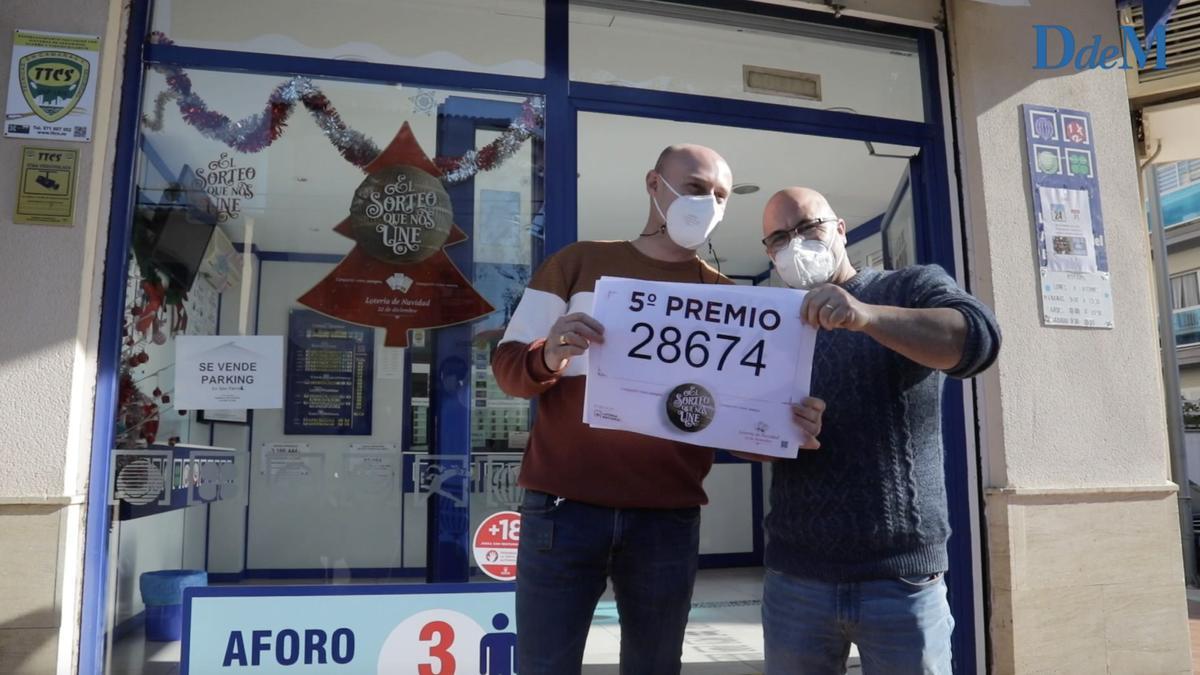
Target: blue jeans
{"type": "Point", "coordinates": [567, 552]}
{"type": "Point", "coordinates": [901, 626]}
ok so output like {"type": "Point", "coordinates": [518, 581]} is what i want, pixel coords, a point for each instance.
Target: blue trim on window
{"type": "Point", "coordinates": [298, 256]}
{"type": "Point", "coordinates": [864, 231]}
{"type": "Point", "coordinates": [935, 243]}
{"type": "Point", "coordinates": [612, 99]}
{"type": "Point", "coordinates": [335, 69]}
{"type": "Point", "coordinates": [112, 310]}
{"type": "Point", "coordinates": [562, 210]}
{"type": "Point", "coordinates": [448, 535]}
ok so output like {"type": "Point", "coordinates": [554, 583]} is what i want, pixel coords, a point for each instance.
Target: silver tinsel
{"type": "Point", "coordinates": [155, 123]}
{"type": "Point", "coordinates": [253, 133]}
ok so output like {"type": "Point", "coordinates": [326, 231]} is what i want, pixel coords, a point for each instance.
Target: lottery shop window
{"type": "Point", "coordinates": [355, 223]}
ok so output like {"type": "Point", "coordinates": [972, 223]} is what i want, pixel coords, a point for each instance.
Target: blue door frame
{"type": "Point", "coordinates": [564, 101]}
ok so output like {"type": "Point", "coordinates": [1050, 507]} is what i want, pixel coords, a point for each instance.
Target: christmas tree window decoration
{"type": "Point", "coordinates": [398, 276]}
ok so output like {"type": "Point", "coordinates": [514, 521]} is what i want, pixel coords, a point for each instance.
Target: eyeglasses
{"type": "Point", "coordinates": [808, 229]}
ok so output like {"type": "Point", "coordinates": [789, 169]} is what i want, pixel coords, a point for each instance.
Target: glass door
{"type": "Point", "coordinates": [898, 226]}
{"type": "Point", "coordinates": [383, 263]}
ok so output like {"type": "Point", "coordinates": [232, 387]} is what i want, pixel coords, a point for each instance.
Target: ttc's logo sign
{"type": "Point", "coordinates": [1060, 41]}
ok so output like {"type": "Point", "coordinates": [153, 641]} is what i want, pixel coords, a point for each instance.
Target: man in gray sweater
{"type": "Point", "coordinates": [856, 534]}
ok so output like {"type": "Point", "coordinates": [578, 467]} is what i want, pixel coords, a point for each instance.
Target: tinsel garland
{"type": "Point", "coordinates": [257, 132]}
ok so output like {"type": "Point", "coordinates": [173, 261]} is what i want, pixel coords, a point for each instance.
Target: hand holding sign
{"type": "Point", "coordinates": [807, 415]}
{"type": "Point", "coordinates": [569, 337]}
{"type": "Point", "coordinates": [831, 307]}
{"type": "Point", "coordinates": [715, 366]}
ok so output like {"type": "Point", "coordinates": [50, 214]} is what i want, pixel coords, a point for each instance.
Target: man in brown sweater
{"type": "Point", "coordinates": [602, 503]}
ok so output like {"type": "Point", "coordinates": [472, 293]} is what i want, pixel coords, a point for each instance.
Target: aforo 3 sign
{"type": "Point", "coordinates": [359, 630]}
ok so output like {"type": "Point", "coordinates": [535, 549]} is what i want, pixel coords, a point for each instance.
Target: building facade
{"type": "Point", "coordinates": [257, 124]}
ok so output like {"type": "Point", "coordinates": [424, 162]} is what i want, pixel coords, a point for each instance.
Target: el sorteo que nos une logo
{"type": "Point", "coordinates": [691, 407]}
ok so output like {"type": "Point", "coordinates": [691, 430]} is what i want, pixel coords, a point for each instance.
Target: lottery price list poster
{"type": "Point", "coordinates": [1072, 255]}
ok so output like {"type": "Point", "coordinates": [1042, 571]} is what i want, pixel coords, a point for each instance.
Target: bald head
{"type": "Point", "coordinates": [688, 154]}
{"type": "Point", "coordinates": [688, 170]}
{"type": "Point", "coordinates": [793, 205]}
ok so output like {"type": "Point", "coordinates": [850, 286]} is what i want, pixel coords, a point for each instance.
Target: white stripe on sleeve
{"type": "Point", "coordinates": [536, 313]}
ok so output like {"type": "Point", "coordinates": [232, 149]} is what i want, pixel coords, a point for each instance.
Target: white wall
{"type": "Point", "coordinates": [50, 304]}
{"type": "Point", "coordinates": [50, 301]}
{"type": "Point", "coordinates": [325, 523]}
{"type": "Point", "coordinates": [1084, 569]}
{"type": "Point", "coordinates": [1064, 407]}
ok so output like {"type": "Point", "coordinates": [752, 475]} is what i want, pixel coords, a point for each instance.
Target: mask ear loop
{"type": "Point", "coordinates": [662, 229]}
{"type": "Point", "coordinates": [716, 261]}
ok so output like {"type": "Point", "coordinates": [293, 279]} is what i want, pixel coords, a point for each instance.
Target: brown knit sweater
{"type": "Point", "coordinates": [566, 457]}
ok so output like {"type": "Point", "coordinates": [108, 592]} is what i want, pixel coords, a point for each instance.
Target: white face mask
{"type": "Point", "coordinates": [690, 218]}
{"type": "Point", "coordinates": [805, 263]}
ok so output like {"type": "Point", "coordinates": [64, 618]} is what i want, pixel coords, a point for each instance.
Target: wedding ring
{"type": "Point", "coordinates": [562, 339]}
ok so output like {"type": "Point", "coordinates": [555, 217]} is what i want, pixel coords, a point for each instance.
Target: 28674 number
{"type": "Point", "coordinates": [694, 349]}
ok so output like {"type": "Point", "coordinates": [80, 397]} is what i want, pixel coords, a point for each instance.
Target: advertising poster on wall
{"type": "Point", "coordinates": [223, 372]}
{"type": "Point", "coordinates": [1072, 256]}
{"type": "Point", "coordinates": [52, 86]}
{"type": "Point", "coordinates": [398, 276]}
{"type": "Point", "coordinates": [329, 376]}
{"type": "Point", "coordinates": [46, 187]}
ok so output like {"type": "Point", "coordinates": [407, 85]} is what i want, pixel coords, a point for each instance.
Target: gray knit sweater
{"type": "Point", "coordinates": [871, 503]}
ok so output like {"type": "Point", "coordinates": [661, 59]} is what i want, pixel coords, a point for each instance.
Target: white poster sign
{"type": "Point", "coordinates": [222, 372]}
{"type": "Point", "coordinates": [1067, 218]}
{"type": "Point", "coordinates": [291, 464]}
{"type": "Point", "coordinates": [1077, 299]}
{"type": "Point", "coordinates": [52, 86]}
{"type": "Point", "coordinates": [715, 366]}
{"type": "Point", "coordinates": [373, 472]}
